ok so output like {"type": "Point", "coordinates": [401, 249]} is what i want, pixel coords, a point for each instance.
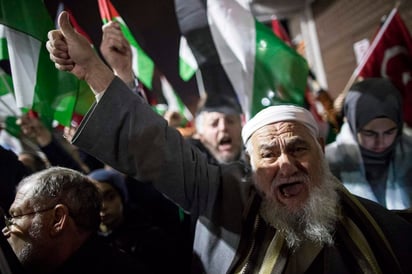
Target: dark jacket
{"type": "Point", "coordinates": [96, 257]}
{"type": "Point", "coordinates": [140, 237]}
{"type": "Point", "coordinates": [139, 143]}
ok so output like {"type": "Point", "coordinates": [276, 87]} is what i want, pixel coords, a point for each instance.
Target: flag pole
{"type": "Point", "coordinates": [338, 103]}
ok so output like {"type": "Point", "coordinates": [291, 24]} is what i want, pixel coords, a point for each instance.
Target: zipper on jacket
{"type": "Point", "coordinates": [256, 226]}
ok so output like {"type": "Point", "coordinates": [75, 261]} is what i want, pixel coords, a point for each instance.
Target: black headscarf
{"type": "Point", "coordinates": [369, 99]}
{"type": "Point", "coordinates": [373, 98]}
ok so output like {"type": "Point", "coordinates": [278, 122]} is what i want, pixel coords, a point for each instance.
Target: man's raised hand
{"type": "Point", "coordinates": [70, 51]}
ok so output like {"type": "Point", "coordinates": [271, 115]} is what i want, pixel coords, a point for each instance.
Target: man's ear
{"type": "Point", "coordinates": [60, 219]}
{"type": "Point", "coordinates": [321, 141]}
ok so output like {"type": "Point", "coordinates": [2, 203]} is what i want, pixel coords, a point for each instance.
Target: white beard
{"type": "Point", "coordinates": [315, 221]}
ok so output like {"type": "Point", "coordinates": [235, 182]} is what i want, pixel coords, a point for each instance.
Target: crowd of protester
{"type": "Point", "coordinates": [267, 196]}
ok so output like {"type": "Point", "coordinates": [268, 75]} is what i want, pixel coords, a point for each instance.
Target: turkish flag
{"type": "Point", "coordinates": [390, 56]}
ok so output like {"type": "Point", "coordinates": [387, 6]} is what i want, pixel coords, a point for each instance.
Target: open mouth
{"type": "Point", "coordinates": [289, 190]}
{"type": "Point", "coordinates": [225, 142]}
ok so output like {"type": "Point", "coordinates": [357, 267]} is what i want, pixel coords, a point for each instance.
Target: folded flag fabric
{"type": "Point", "coordinates": [262, 68]}
{"type": "Point", "coordinates": [242, 63]}
{"type": "Point", "coordinates": [214, 85]}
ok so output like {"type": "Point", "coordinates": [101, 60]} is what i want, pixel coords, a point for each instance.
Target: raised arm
{"type": "Point", "coordinates": [71, 52]}
{"type": "Point", "coordinates": [124, 132]}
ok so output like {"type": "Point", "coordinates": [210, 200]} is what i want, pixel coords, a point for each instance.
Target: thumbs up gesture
{"type": "Point", "coordinates": [70, 51]}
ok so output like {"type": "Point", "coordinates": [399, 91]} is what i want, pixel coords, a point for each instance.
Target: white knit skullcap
{"type": "Point", "coordinates": [280, 113]}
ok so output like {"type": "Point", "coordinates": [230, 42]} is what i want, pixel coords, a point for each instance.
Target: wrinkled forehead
{"type": "Point", "coordinates": [23, 196]}
{"type": "Point", "coordinates": [277, 130]}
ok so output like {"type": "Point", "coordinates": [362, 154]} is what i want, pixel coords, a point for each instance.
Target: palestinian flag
{"type": "Point", "coordinates": [187, 62]}
{"type": "Point", "coordinates": [143, 65]}
{"type": "Point", "coordinates": [262, 68]}
{"type": "Point", "coordinates": [38, 85]}
{"type": "Point", "coordinates": [174, 102]}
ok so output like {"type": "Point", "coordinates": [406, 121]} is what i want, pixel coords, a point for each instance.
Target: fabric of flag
{"type": "Point", "coordinates": [173, 100]}
{"type": "Point", "coordinates": [8, 107]}
{"type": "Point", "coordinates": [38, 85]}
{"type": "Point", "coordinates": [263, 69]}
{"type": "Point", "coordinates": [390, 56]}
{"type": "Point", "coordinates": [85, 96]}
{"type": "Point", "coordinates": [280, 31]}
{"type": "Point", "coordinates": [4, 52]}
{"type": "Point", "coordinates": [212, 79]}
{"type": "Point", "coordinates": [8, 104]}
{"type": "Point", "coordinates": [187, 62]}
{"type": "Point", "coordinates": [143, 65]}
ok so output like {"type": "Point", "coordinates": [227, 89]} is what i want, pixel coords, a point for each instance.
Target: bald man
{"type": "Point", "coordinates": [287, 214]}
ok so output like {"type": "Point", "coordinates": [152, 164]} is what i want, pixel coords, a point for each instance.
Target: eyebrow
{"type": "Point", "coordinates": [373, 131]}
{"type": "Point", "coordinates": [293, 141]}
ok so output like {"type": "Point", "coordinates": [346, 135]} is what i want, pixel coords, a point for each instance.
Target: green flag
{"type": "Point", "coordinates": [263, 70]}
{"type": "Point", "coordinates": [187, 62]}
{"type": "Point", "coordinates": [8, 108]}
{"type": "Point", "coordinates": [174, 102]}
{"type": "Point", "coordinates": [38, 85]}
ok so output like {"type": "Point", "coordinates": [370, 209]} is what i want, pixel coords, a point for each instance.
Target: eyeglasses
{"type": "Point", "coordinates": [8, 220]}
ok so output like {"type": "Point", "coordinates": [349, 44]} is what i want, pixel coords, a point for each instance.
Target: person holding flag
{"type": "Point", "coordinates": [389, 56]}
{"type": "Point", "coordinates": [121, 62]}
{"type": "Point", "coordinates": [285, 214]}
{"type": "Point", "coordinates": [166, 216]}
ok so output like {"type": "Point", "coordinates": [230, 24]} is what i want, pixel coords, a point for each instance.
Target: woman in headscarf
{"type": "Point", "coordinates": [371, 155]}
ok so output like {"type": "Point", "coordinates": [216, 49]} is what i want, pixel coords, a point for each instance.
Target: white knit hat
{"type": "Point", "coordinates": [280, 113]}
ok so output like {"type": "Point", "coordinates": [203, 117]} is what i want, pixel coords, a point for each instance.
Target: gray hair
{"type": "Point", "coordinates": [199, 118]}
{"type": "Point", "coordinates": [69, 187]}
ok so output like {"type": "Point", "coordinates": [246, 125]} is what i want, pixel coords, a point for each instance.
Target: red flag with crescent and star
{"type": "Point", "coordinates": [390, 56]}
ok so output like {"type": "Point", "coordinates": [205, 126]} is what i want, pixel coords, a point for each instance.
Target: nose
{"type": "Point", "coordinates": [380, 142]}
{"type": "Point", "coordinates": [222, 124]}
{"type": "Point", "coordinates": [287, 166]}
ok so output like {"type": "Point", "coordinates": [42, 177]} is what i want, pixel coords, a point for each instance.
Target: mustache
{"type": "Point", "coordinates": [280, 180]}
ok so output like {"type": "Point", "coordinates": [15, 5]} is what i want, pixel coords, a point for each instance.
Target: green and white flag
{"type": "Point", "coordinates": [187, 62]}
{"type": "Point", "coordinates": [262, 69]}
{"type": "Point", "coordinates": [173, 100]}
{"type": "Point", "coordinates": [4, 52]}
{"type": "Point", "coordinates": [8, 104]}
{"type": "Point", "coordinates": [38, 85]}
{"type": "Point", "coordinates": [8, 107]}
